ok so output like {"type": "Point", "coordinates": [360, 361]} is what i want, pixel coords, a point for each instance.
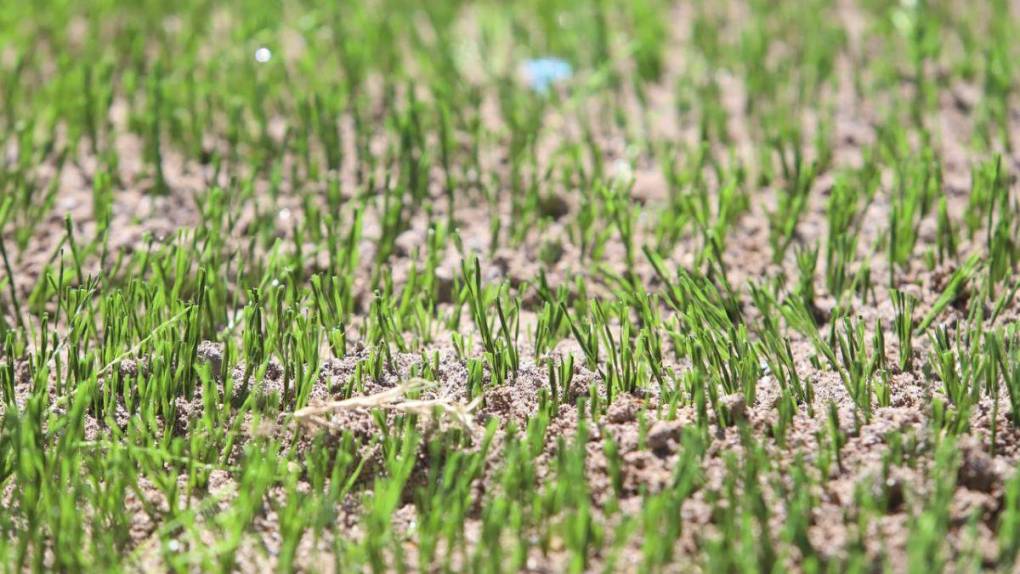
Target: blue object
{"type": "Point", "coordinates": [543, 72]}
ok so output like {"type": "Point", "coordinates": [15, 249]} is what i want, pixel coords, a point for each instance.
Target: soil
{"type": "Point", "coordinates": [649, 461]}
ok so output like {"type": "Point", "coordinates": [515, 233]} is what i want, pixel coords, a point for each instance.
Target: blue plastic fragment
{"type": "Point", "coordinates": [541, 73]}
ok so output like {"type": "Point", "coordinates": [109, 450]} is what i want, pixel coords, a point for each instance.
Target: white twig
{"type": "Point", "coordinates": [393, 400]}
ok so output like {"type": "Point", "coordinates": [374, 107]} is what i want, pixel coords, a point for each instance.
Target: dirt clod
{"type": "Point", "coordinates": [977, 470]}
{"type": "Point", "coordinates": [622, 411]}
{"type": "Point", "coordinates": [663, 436]}
{"type": "Point", "coordinates": [734, 406]}
{"type": "Point", "coordinates": [211, 353]}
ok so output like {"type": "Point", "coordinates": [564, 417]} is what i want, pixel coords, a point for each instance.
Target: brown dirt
{"type": "Point", "coordinates": [648, 467]}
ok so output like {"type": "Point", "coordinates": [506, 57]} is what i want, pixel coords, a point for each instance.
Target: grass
{"type": "Point", "coordinates": [339, 287]}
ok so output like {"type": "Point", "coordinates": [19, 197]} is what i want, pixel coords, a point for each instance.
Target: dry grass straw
{"type": "Point", "coordinates": [395, 400]}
